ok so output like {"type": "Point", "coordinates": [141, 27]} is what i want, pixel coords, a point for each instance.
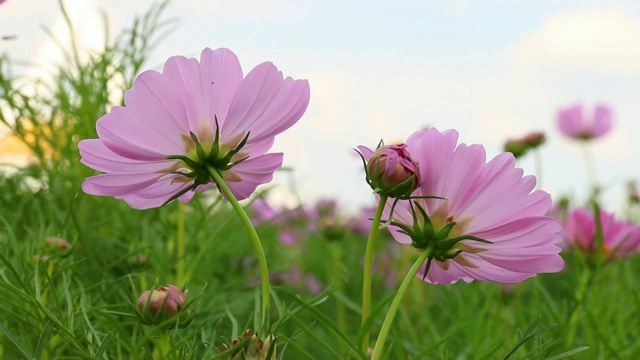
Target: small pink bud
{"type": "Point", "coordinates": [254, 348]}
{"type": "Point", "coordinates": [519, 147]}
{"type": "Point", "coordinates": [57, 243]}
{"type": "Point", "coordinates": [392, 172]}
{"type": "Point", "coordinates": [39, 257]}
{"type": "Point", "coordinates": [166, 300]}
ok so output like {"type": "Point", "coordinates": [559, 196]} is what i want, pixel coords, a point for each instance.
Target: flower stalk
{"type": "Point", "coordinates": [180, 245]}
{"type": "Point", "coordinates": [395, 304]}
{"type": "Point", "coordinates": [368, 269]}
{"type": "Point", "coordinates": [253, 235]}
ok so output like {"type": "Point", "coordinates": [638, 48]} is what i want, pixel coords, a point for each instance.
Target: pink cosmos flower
{"type": "Point", "coordinates": [489, 226]}
{"type": "Point", "coordinates": [192, 118]}
{"type": "Point", "coordinates": [574, 124]}
{"type": "Point", "coordinates": [620, 238]}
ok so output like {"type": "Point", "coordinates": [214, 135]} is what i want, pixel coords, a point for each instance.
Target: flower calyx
{"type": "Point", "coordinates": [202, 158]}
{"type": "Point", "coordinates": [440, 242]}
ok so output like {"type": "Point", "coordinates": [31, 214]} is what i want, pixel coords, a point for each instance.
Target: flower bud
{"type": "Point", "coordinates": [161, 303]}
{"type": "Point", "coordinates": [254, 348]}
{"type": "Point", "coordinates": [519, 147]}
{"type": "Point", "coordinates": [56, 243]}
{"type": "Point", "coordinates": [392, 172]}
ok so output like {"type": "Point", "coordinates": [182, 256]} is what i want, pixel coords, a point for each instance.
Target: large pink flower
{"type": "Point", "coordinates": [575, 124]}
{"type": "Point", "coordinates": [620, 238]}
{"type": "Point", "coordinates": [178, 125]}
{"type": "Point", "coordinates": [490, 224]}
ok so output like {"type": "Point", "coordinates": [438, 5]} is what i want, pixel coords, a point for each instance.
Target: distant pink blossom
{"type": "Point", "coordinates": [192, 117]}
{"type": "Point", "coordinates": [298, 279]}
{"type": "Point", "coordinates": [574, 123]}
{"type": "Point", "coordinates": [620, 238]}
{"type": "Point", "coordinates": [489, 201]}
{"type": "Point", "coordinates": [292, 224]}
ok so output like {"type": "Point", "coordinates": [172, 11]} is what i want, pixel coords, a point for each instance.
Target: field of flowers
{"type": "Point", "coordinates": [139, 230]}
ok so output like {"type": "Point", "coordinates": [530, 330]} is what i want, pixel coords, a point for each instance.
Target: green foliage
{"type": "Point", "coordinates": [80, 303]}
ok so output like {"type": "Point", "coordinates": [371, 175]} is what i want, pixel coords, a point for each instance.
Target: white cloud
{"type": "Point", "coordinates": [598, 40]}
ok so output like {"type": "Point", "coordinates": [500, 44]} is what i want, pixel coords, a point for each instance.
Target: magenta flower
{"type": "Point", "coordinates": [489, 226]}
{"type": "Point", "coordinates": [193, 118]}
{"type": "Point", "coordinates": [574, 124]}
{"type": "Point", "coordinates": [620, 238]}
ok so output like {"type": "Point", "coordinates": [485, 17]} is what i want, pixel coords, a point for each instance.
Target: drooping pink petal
{"type": "Point", "coordinates": [118, 185]}
{"type": "Point", "coordinates": [99, 157]}
{"type": "Point", "coordinates": [158, 193]}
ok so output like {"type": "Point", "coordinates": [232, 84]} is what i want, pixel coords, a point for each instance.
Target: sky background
{"type": "Point", "coordinates": [492, 70]}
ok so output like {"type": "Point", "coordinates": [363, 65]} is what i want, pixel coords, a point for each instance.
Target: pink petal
{"type": "Point", "coordinates": [158, 193]}
{"type": "Point", "coordinates": [254, 172]}
{"type": "Point", "coordinates": [366, 152]}
{"type": "Point", "coordinates": [570, 121]}
{"type": "Point", "coordinates": [99, 157]}
{"type": "Point", "coordinates": [131, 138]}
{"type": "Point", "coordinates": [601, 121]}
{"type": "Point", "coordinates": [207, 87]}
{"type": "Point", "coordinates": [118, 184]}
{"type": "Point", "coordinates": [265, 104]}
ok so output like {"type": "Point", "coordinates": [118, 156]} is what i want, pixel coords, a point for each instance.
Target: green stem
{"type": "Point", "coordinates": [255, 240]}
{"type": "Point", "coordinates": [340, 310]}
{"type": "Point", "coordinates": [180, 246]}
{"type": "Point", "coordinates": [368, 269]}
{"type": "Point", "coordinates": [163, 345]}
{"type": "Point", "coordinates": [591, 170]}
{"type": "Point", "coordinates": [393, 309]}
{"type": "Point", "coordinates": [585, 283]}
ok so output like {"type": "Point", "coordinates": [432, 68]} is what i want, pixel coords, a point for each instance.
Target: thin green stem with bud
{"type": "Point", "coordinates": [393, 309]}
{"type": "Point", "coordinates": [253, 235]}
{"type": "Point", "coordinates": [368, 269]}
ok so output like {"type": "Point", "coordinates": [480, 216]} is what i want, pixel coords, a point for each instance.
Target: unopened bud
{"type": "Point", "coordinates": [56, 243]}
{"type": "Point", "coordinates": [519, 147]}
{"type": "Point", "coordinates": [392, 172]}
{"type": "Point", "coordinates": [254, 348]}
{"type": "Point", "coordinates": [161, 303]}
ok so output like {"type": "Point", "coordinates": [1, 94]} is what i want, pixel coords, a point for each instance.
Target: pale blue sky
{"type": "Point", "coordinates": [382, 69]}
